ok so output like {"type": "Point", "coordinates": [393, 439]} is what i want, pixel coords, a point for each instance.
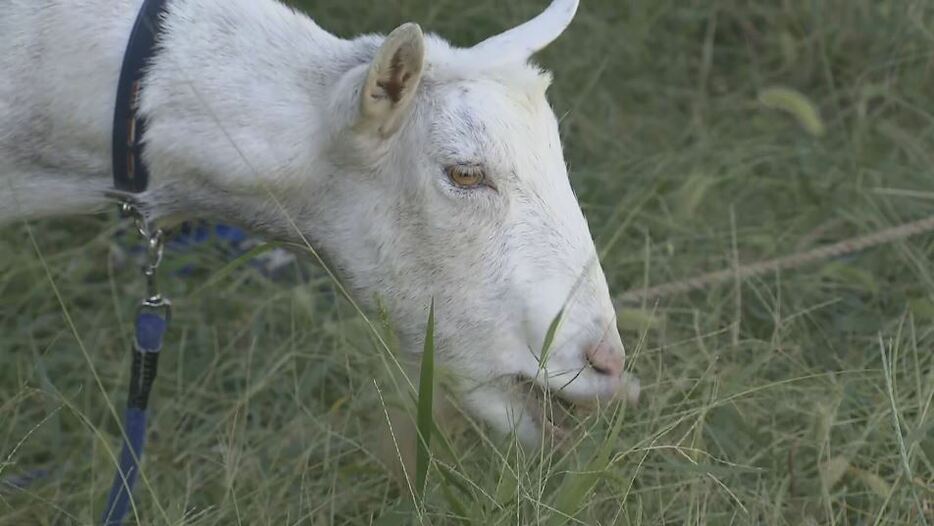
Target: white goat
{"type": "Point", "coordinates": [421, 171]}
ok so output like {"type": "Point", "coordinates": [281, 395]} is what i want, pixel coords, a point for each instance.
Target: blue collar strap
{"type": "Point", "coordinates": [130, 173]}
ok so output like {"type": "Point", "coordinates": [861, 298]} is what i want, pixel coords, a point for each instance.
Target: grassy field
{"type": "Point", "coordinates": [801, 397]}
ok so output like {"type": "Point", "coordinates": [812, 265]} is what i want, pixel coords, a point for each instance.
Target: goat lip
{"type": "Point", "coordinates": [556, 410]}
{"type": "Point", "coordinates": [626, 389]}
{"type": "Point", "coordinates": [551, 410]}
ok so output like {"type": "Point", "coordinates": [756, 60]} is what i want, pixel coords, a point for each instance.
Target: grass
{"type": "Point", "coordinates": [689, 127]}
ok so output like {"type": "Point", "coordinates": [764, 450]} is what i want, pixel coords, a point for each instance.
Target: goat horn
{"type": "Point", "coordinates": [521, 42]}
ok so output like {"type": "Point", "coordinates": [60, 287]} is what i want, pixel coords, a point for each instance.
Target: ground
{"type": "Point", "coordinates": [800, 397]}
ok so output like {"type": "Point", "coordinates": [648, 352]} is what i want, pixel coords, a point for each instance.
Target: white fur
{"type": "Point", "coordinates": [251, 106]}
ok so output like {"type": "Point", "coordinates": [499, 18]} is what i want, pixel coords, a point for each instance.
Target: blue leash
{"type": "Point", "coordinates": [152, 322]}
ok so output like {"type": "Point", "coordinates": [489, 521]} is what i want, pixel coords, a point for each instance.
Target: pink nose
{"type": "Point", "coordinates": [606, 360]}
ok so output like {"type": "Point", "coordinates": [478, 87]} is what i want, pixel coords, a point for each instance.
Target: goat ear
{"type": "Point", "coordinates": [392, 79]}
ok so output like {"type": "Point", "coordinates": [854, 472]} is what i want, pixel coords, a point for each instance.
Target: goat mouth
{"type": "Point", "coordinates": [557, 412]}
{"type": "Point", "coordinates": [554, 413]}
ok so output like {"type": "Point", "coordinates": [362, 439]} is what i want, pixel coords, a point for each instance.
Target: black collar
{"type": "Point", "coordinates": [130, 173]}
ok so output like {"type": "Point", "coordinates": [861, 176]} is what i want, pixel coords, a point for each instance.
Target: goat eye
{"type": "Point", "coordinates": [466, 176]}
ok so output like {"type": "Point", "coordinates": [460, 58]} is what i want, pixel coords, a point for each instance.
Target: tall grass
{"type": "Point", "coordinates": [765, 401]}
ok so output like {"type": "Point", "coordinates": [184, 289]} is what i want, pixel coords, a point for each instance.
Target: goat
{"type": "Point", "coordinates": [421, 171]}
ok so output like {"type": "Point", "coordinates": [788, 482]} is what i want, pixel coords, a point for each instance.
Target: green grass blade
{"type": "Point", "coordinates": [550, 338]}
{"type": "Point", "coordinates": [424, 422]}
{"type": "Point", "coordinates": [457, 505]}
{"type": "Point", "coordinates": [577, 485]}
{"type": "Point", "coordinates": [235, 264]}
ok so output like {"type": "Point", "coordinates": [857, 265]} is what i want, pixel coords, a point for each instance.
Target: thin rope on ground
{"type": "Point", "coordinates": [800, 259]}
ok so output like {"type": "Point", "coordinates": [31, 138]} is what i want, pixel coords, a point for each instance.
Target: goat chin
{"type": "Point", "coordinates": [396, 438]}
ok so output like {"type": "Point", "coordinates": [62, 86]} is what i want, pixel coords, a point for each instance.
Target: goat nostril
{"type": "Point", "coordinates": [600, 369]}
{"type": "Point", "coordinates": [605, 360]}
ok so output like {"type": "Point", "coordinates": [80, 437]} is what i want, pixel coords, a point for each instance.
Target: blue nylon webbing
{"type": "Point", "coordinates": [118, 502]}
{"type": "Point", "coordinates": [151, 326]}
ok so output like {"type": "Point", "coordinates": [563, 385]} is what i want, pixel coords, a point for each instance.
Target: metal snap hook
{"type": "Point", "coordinates": [155, 248]}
